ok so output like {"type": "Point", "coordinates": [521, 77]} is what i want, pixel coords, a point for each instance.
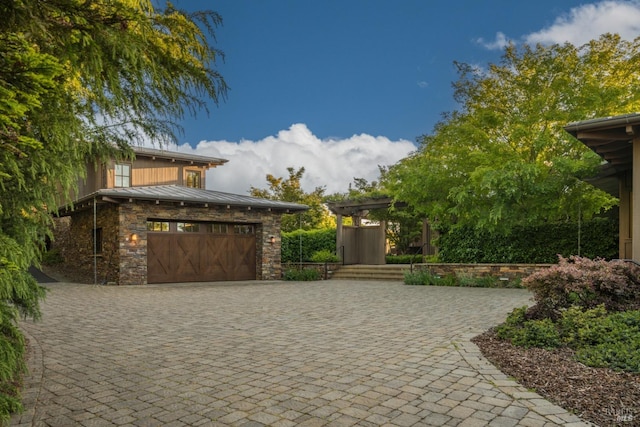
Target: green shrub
{"type": "Point", "coordinates": [427, 278]}
{"type": "Point", "coordinates": [530, 244]}
{"type": "Point", "coordinates": [537, 333]}
{"type": "Point", "coordinates": [600, 339]}
{"type": "Point", "coordinates": [300, 245]}
{"type": "Point", "coordinates": [52, 257]}
{"type": "Point", "coordinates": [404, 259]}
{"type": "Point", "coordinates": [304, 275]}
{"type": "Point", "coordinates": [576, 322]}
{"type": "Point", "coordinates": [529, 333]}
{"type": "Point", "coordinates": [514, 320]}
{"type": "Point", "coordinates": [324, 256]}
{"type": "Point", "coordinates": [619, 357]}
{"type": "Point", "coordinates": [611, 341]}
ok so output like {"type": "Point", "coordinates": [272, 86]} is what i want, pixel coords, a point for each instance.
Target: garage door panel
{"type": "Point", "coordinates": [195, 257]}
{"type": "Point", "coordinates": [158, 259]}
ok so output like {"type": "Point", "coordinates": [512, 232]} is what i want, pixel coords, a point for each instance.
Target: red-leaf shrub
{"type": "Point", "coordinates": [583, 282]}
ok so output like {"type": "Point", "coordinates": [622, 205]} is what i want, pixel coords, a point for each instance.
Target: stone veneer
{"type": "Point", "coordinates": [508, 271]}
{"type": "Point", "coordinates": [123, 261]}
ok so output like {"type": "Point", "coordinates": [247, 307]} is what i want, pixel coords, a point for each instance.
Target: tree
{"type": "Point", "coordinates": [503, 159]}
{"type": "Point", "coordinates": [79, 80]}
{"type": "Point", "coordinates": [290, 190]}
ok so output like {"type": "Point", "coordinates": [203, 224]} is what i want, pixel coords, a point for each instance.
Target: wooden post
{"type": "Point", "coordinates": [635, 202]}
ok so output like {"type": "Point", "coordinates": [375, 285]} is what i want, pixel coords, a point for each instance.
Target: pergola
{"type": "Point", "coordinates": [366, 245]}
{"type": "Point", "coordinates": [617, 141]}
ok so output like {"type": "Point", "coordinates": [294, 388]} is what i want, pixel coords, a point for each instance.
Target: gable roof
{"type": "Point", "coordinates": [174, 155]}
{"type": "Point", "coordinates": [184, 195]}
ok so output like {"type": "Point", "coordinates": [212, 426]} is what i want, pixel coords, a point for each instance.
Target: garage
{"type": "Point", "coordinates": [200, 251]}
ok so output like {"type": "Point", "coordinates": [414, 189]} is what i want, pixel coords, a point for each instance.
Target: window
{"type": "Point", "coordinates": [188, 227]}
{"type": "Point", "coordinates": [96, 240]}
{"type": "Point", "coordinates": [193, 179]}
{"type": "Point", "coordinates": [243, 229]}
{"type": "Point", "coordinates": [157, 225]}
{"type": "Point", "coordinates": [123, 175]}
{"type": "Point", "coordinates": [218, 228]}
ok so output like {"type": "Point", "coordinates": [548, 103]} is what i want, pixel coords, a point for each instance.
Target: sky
{"type": "Point", "coordinates": [340, 87]}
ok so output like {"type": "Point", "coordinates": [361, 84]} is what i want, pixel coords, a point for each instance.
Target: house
{"type": "Point", "coordinates": [151, 220]}
{"type": "Point", "coordinates": [617, 141]}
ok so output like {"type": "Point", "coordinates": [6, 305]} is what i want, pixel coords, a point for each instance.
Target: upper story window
{"type": "Point", "coordinates": [194, 179]}
{"type": "Point", "coordinates": [122, 175]}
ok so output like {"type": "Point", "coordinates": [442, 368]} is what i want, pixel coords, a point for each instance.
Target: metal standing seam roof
{"type": "Point", "coordinates": [175, 193]}
{"type": "Point", "coordinates": [154, 152]}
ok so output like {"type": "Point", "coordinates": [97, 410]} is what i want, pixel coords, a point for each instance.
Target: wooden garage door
{"type": "Point", "coordinates": [200, 257]}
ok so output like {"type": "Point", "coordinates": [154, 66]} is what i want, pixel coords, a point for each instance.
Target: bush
{"type": "Point", "coordinates": [52, 257]}
{"type": "Point", "coordinates": [404, 259]}
{"type": "Point", "coordinates": [530, 244]}
{"type": "Point", "coordinates": [324, 256]}
{"type": "Point", "coordinates": [304, 275]}
{"type": "Point", "coordinates": [426, 278]}
{"type": "Point", "coordinates": [584, 283]}
{"type": "Point", "coordinates": [537, 333]}
{"type": "Point", "coordinates": [599, 339]}
{"type": "Point", "coordinates": [300, 245]}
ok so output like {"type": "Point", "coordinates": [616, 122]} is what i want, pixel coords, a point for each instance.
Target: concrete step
{"type": "Point", "coordinates": [371, 272]}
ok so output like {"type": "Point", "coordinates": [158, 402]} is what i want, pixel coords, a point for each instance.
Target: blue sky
{"type": "Point", "coordinates": [342, 86]}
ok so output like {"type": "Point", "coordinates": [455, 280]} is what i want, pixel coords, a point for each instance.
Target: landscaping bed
{"type": "Point", "coordinates": [599, 395]}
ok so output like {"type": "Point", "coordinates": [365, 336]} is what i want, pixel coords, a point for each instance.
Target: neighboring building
{"type": "Point", "coordinates": [151, 220]}
{"type": "Point", "coordinates": [617, 141]}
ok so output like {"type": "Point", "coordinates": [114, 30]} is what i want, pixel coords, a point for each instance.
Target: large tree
{"type": "Point", "coordinates": [290, 190]}
{"type": "Point", "coordinates": [80, 79]}
{"type": "Point", "coordinates": [503, 158]}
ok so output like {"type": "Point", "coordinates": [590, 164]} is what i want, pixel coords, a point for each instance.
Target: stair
{"type": "Point", "coordinates": [390, 272]}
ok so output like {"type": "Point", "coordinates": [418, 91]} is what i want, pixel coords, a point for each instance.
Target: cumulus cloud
{"type": "Point", "coordinates": [589, 21]}
{"type": "Point", "coordinates": [330, 163]}
{"type": "Point", "coordinates": [499, 43]}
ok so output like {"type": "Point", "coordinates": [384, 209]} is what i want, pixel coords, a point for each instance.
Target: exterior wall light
{"type": "Point", "coordinates": [272, 240]}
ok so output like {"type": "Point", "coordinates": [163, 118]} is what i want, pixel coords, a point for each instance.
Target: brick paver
{"type": "Point", "coordinates": [331, 353]}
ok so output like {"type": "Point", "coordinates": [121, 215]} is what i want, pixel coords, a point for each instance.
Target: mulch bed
{"type": "Point", "coordinates": [599, 395]}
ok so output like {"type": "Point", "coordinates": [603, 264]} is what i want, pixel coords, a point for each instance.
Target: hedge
{"type": "Point", "coordinates": [301, 245]}
{"type": "Point", "coordinates": [539, 244]}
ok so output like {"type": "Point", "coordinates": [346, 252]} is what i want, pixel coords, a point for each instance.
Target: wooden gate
{"type": "Point", "coordinates": [363, 245]}
{"type": "Point", "coordinates": [193, 257]}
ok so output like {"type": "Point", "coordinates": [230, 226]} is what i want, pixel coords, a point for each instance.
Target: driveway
{"type": "Point", "coordinates": [334, 353]}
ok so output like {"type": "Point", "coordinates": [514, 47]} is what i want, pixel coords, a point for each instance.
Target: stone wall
{"type": "Point", "coordinates": [73, 237]}
{"type": "Point", "coordinates": [505, 271]}
{"type": "Point", "coordinates": [123, 259]}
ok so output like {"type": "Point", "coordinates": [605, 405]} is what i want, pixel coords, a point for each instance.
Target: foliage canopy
{"type": "Point", "coordinates": [82, 80]}
{"type": "Point", "coordinates": [504, 159]}
{"type": "Point", "coordinates": [290, 190]}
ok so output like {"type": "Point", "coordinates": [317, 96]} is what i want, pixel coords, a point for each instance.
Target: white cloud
{"type": "Point", "coordinates": [589, 21]}
{"type": "Point", "coordinates": [330, 163]}
{"type": "Point", "coordinates": [499, 43]}
{"type": "Point", "coordinates": [422, 84]}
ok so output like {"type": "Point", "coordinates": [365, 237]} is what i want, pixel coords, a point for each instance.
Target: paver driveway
{"type": "Point", "coordinates": [335, 353]}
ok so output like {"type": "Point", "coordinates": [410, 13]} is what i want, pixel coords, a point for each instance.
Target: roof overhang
{"type": "Point", "coordinates": [611, 139]}
{"type": "Point", "coordinates": [181, 196]}
{"type": "Point", "coordinates": [193, 159]}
